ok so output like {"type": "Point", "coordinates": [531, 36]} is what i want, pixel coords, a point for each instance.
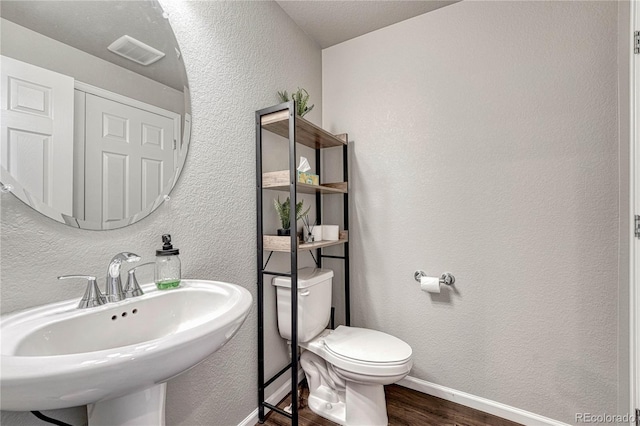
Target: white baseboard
{"type": "Point", "coordinates": [497, 409]}
{"type": "Point", "coordinates": [488, 406]}
{"type": "Point", "coordinates": [277, 396]}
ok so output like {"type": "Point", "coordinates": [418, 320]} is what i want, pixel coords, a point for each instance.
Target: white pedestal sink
{"type": "Point", "coordinates": [115, 358]}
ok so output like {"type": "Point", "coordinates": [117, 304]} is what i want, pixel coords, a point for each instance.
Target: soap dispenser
{"type": "Point", "coordinates": [167, 271]}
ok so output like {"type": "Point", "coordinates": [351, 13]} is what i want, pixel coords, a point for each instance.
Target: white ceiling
{"type": "Point", "coordinates": [330, 22]}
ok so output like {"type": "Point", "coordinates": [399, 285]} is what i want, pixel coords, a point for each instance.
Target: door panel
{"type": "Point", "coordinates": [115, 183]}
{"type": "Point", "coordinates": [151, 180]}
{"type": "Point", "coordinates": [636, 185]}
{"type": "Point", "coordinates": [27, 161]}
{"type": "Point", "coordinates": [128, 155]}
{"type": "Point", "coordinates": [37, 133]}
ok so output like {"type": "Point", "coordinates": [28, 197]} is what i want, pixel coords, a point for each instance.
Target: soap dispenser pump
{"type": "Point", "coordinates": [167, 271]}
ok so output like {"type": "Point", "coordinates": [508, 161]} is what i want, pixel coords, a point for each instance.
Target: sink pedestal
{"type": "Point", "coordinates": [142, 408]}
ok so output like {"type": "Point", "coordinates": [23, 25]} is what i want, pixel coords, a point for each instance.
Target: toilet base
{"type": "Point", "coordinates": [334, 411]}
{"type": "Point", "coordinates": [366, 406]}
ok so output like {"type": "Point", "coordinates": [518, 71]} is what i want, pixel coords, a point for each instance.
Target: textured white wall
{"type": "Point", "coordinates": [486, 144]}
{"type": "Point", "coordinates": [237, 54]}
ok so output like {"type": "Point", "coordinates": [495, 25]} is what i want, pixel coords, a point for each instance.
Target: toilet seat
{"type": "Point", "coordinates": [362, 351]}
{"type": "Point", "coordinates": [363, 344]}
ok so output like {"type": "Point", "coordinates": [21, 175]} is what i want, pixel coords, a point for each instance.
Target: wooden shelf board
{"type": "Point", "coordinates": [279, 181]}
{"type": "Point", "coordinates": [282, 244]}
{"type": "Point", "coordinates": [307, 133]}
{"type": "Point", "coordinates": [307, 189]}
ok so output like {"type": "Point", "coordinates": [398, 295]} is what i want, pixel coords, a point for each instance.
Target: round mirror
{"type": "Point", "coordinates": [96, 116]}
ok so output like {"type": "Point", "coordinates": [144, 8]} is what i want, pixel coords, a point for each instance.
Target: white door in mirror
{"type": "Point", "coordinates": [129, 159]}
{"type": "Point", "coordinates": [37, 134]}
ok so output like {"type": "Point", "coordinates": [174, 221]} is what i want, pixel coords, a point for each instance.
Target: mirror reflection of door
{"type": "Point", "coordinates": [72, 38]}
{"type": "Point", "coordinates": [129, 147]}
{"type": "Point", "coordinates": [129, 158]}
{"type": "Point", "coordinates": [37, 133]}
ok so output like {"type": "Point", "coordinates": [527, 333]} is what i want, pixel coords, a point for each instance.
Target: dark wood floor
{"type": "Point", "coordinates": [404, 407]}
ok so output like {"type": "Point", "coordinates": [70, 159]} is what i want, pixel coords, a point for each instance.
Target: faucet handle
{"type": "Point", "coordinates": [132, 289]}
{"type": "Point", "coordinates": [92, 296]}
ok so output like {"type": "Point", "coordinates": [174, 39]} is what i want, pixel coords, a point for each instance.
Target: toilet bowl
{"type": "Point", "coordinates": [346, 368]}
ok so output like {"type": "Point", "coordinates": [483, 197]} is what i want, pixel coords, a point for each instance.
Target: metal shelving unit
{"type": "Point", "coordinates": [282, 120]}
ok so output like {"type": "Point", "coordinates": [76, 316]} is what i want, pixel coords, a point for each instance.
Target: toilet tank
{"type": "Point", "coordinates": [314, 303]}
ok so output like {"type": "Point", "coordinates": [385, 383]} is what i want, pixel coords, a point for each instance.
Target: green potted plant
{"type": "Point", "coordinates": [301, 96]}
{"type": "Point", "coordinates": [284, 211]}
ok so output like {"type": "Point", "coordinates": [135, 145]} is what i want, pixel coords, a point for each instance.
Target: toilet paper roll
{"type": "Point", "coordinates": [430, 284]}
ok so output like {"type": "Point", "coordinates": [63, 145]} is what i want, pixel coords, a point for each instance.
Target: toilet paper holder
{"type": "Point", "coordinates": [446, 278]}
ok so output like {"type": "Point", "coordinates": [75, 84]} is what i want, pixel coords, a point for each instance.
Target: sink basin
{"type": "Point", "coordinates": [57, 356]}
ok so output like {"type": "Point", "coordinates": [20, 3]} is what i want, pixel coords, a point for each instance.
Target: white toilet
{"type": "Point", "coordinates": [346, 368]}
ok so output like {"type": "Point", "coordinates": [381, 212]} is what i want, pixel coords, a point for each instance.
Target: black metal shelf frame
{"type": "Point", "coordinates": [294, 364]}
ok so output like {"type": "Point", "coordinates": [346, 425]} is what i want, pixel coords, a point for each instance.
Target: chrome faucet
{"type": "Point", "coordinates": [113, 289]}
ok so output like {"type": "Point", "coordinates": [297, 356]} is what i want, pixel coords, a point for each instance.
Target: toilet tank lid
{"type": "Point", "coordinates": [307, 277]}
{"type": "Point", "coordinates": [367, 345]}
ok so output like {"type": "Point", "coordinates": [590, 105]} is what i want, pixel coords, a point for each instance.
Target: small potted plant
{"type": "Point", "coordinates": [301, 96]}
{"type": "Point", "coordinates": [284, 211]}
